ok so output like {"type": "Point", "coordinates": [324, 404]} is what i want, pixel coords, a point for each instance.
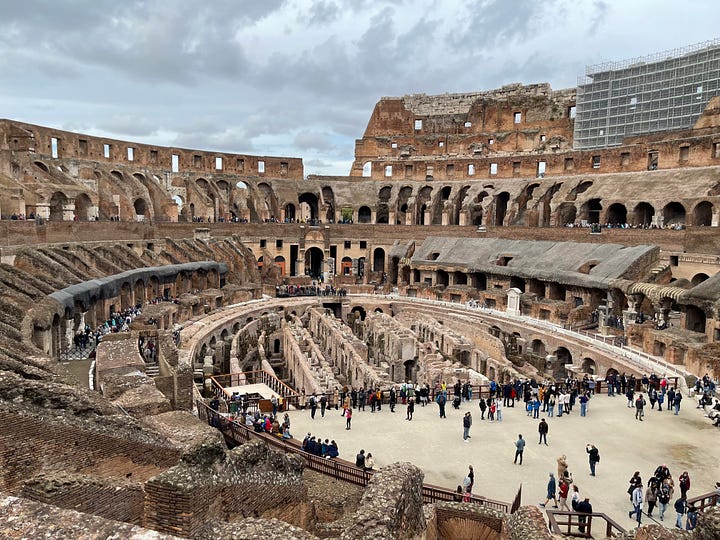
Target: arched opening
{"type": "Point", "coordinates": [58, 201]}
{"type": "Point", "coordinates": [501, 203]}
{"type": "Point", "coordinates": [364, 214]}
{"type": "Point", "coordinates": [359, 312]}
{"type": "Point", "coordinates": [589, 366]}
{"type": "Point", "coordinates": [643, 214]}
{"type": "Point", "coordinates": [346, 266]}
{"type": "Point", "coordinates": [289, 212]}
{"type": "Point", "coordinates": [441, 278]}
{"type": "Point", "coordinates": [564, 358]}
{"type": "Point", "coordinates": [276, 346]}
{"type": "Point", "coordinates": [367, 169]}
{"type": "Point", "coordinates": [410, 369]}
{"type": "Point", "coordinates": [314, 262]}
{"type": "Point", "coordinates": [308, 207]}
{"type": "Point", "coordinates": [591, 211]}
{"type": "Point", "coordinates": [83, 207]}
{"type": "Point", "coordinates": [140, 208]}
{"type": "Point", "coordinates": [328, 198]}
{"type": "Point", "coordinates": [421, 202]}
{"type": "Point", "coordinates": [537, 347]}
{"type": "Point", "coordinates": [182, 211]}
{"type": "Point", "coordinates": [698, 279]}
{"type": "Point", "coordinates": [674, 214]}
{"type": "Point", "coordinates": [695, 319]}
{"type": "Point", "coordinates": [459, 278]}
{"type": "Point", "coordinates": [379, 260]}
{"type": "Point", "coordinates": [567, 213]}
{"type": "Point", "coordinates": [280, 263]}
{"type": "Point", "coordinates": [402, 205]}
{"type": "Point", "coordinates": [139, 292]}
{"type": "Point", "coordinates": [702, 214]}
{"type": "Point", "coordinates": [393, 270]}
{"type": "Point", "coordinates": [383, 210]}
{"type": "Point", "coordinates": [617, 214]}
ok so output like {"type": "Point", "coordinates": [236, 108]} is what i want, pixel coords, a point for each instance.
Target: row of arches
{"type": "Point", "coordinates": [642, 214]}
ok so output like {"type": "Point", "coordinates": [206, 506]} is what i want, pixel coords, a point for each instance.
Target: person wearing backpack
{"type": "Point", "coordinates": [663, 498]}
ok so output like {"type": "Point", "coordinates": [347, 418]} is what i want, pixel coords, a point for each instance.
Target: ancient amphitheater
{"type": "Point", "coordinates": [522, 233]}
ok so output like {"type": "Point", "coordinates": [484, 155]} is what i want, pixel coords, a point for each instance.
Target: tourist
{"type": "Point", "coordinates": [575, 497]}
{"type": "Point", "coordinates": [410, 408]}
{"type": "Point", "coordinates": [634, 481]}
{"type": "Point", "coordinates": [483, 408]}
{"type": "Point", "coordinates": [458, 495]}
{"type": "Point", "coordinates": [684, 483]}
{"type": "Point", "coordinates": [639, 407]}
{"type": "Point", "coordinates": [348, 418]}
{"type": "Point", "coordinates": [313, 405]}
{"type": "Point", "coordinates": [393, 398]}
{"type": "Point", "coordinates": [680, 509]}
{"type": "Point", "coordinates": [651, 497]}
{"type": "Point", "coordinates": [441, 401]}
{"type": "Point", "coordinates": [563, 493]}
{"type": "Point", "coordinates": [543, 431]}
{"type": "Point", "coordinates": [583, 507]}
{"type": "Point", "coordinates": [637, 502]}
{"type": "Point", "coordinates": [551, 489]}
{"type": "Point", "coordinates": [323, 404]}
{"type": "Point", "coordinates": [498, 411]}
{"type": "Point", "coordinates": [470, 478]}
{"type": "Point", "coordinates": [369, 462]}
{"type": "Point", "coordinates": [593, 457]}
{"type": "Point", "coordinates": [467, 422]}
{"type": "Point", "coordinates": [332, 451]}
{"type": "Point", "coordinates": [492, 406]}
{"type": "Point", "coordinates": [519, 449]}
{"type": "Point", "coordinates": [360, 459]}
{"type": "Point", "coordinates": [663, 498]}
{"type": "Point", "coordinates": [692, 516]}
{"type": "Point", "coordinates": [676, 402]}
{"type": "Point", "coordinates": [562, 466]}
{"type": "Point", "coordinates": [583, 404]}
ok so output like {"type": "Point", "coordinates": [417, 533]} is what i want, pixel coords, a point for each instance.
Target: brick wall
{"type": "Point", "coordinates": [31, 445]}
{"type": "Point", "coordinates": [109, 499]}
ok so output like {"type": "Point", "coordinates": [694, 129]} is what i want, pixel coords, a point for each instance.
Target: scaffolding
{"type": "Point", "coordinates": [660, 92]}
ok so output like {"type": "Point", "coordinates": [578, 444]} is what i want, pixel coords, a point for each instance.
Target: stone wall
{"type": "Point", "coordinates": [391, 507]}
{"type": "Point", "coordinates": [212, 484]}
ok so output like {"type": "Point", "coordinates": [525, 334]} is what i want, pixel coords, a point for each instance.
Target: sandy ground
{"type": "Point", "coordinates": [684, 442]}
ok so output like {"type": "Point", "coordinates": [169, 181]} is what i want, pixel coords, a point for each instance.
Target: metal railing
{"type": "Point", "coordinates": [337, 468]}
{"type": "Point", "coordinates": [580, 525]}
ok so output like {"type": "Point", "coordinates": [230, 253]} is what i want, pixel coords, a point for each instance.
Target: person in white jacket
{"type": "Point", "coordinates": [637, 500]}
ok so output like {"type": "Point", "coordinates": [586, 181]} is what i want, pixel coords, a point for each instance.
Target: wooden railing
{"type": "Point", "coordinates": [221, 382]}
{"type": "Point", "coordinates": [581, 525]}
{"type": "Point", "coordinates": [701, 502]}
{"type": "Point", "coordinates": [337, 468]}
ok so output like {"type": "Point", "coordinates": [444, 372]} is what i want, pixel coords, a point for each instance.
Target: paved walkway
{"type": "Point", "coordinates": [684, 442]}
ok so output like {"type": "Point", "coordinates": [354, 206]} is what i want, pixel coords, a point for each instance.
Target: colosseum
{"type": "Point", "coordinates": [516, 237]}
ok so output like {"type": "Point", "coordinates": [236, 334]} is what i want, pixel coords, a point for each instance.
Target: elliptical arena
{"type": "Point", "coordinates": [487, 236]}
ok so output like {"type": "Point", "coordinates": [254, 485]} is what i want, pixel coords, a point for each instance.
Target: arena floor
{"type": "Point", "coordinates": [684, 442]}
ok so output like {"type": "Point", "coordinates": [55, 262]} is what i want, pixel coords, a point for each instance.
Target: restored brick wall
{"type": "Point", "coordinates": [31, 445]}
{"type": "Point", "coordinates": [117, 500]}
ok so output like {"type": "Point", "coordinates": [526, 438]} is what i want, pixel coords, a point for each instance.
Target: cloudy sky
{"type": "Point", "coordinates": [300, 78]}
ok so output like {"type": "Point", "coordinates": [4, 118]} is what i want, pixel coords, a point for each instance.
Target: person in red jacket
{"type": "Point", "coordinates": [563, 492]}
{"type": "Point", "coordinates": [684, 482]}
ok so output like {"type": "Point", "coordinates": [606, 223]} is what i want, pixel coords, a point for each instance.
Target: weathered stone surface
{"type": "Point", "coordinates": [391, 506]}
{"type": "Point", "coordinates": [253, 529]}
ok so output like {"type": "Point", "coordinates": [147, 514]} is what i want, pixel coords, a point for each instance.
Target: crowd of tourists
{"type": "Point", "coordinates": [283, 291]}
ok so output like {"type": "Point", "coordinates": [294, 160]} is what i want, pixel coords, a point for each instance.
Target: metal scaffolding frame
{"type": "Point", "coordinates": [660, 92]}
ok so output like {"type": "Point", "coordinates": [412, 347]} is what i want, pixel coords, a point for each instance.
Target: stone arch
{"type": "Point", "coordinates": [383, 211]}
{"type": "Point", "coordinates": [421, 204]}
{"type": "Point", "coordinates": [591, 210]}
{"type": "Point", "coordinates": [567, 213]}
{"type": "Point", "coordinates": [314, 258]}
{"type": "Point", "coordinates": [266, 206]}
{"type": "Point", "coordinates": [308, 206]}
{"type": "Point", "coordinates": [58, 201]}
{"type": "Point", "coordinates": [40, 165]}
{"type": "Point", "coordinates": [459, 201]}
{"type": "Point", "coordinates": [476, 211]}
{"type": "Point", "coordinates": [674, 214]}
{"type": "Point", "coordinates": [616, 214]}
{"type": "Point", "coordinates": [359, 312]}
{"type": "Point", "coordinates": [125, 296]}
{"type": "Point", "coordinates": [702, 214]}
{"type": "Point", "coordinates": [367, 169]}
{"type": "Point", "coordinates": [364, 214]}
{"type": "Point", "coordinates": [441, 278]}
{"type": "Point", "coordinates": [328, 197]}
{"type": "Point", "coordinates": [378, 260]}
{"type": "Point", "coordinates": [501, 207]}
{"type": "Point", "coordinates": [643, 214]}
{"type": "Point", "coordinates": [290, 212]}
{"type": "Point", "coordinates": [139, 292]}
{"type": "Point", "coordinates": [280, 263]}
{"type": "Point", "coordinates": [537, 347]}
{"type": "Point", "coordinates": [695, 319]}
{"type": "Point", "coordinates": [83, 207]}
{"type": "Point", "coordinates": [589, 366]}
{"type": "Point", "coordinates": [402, 205]}
{"type": "Point", "coordinates": [140, 206]}
{"type": "Point", "coordinates": [697, 279]}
